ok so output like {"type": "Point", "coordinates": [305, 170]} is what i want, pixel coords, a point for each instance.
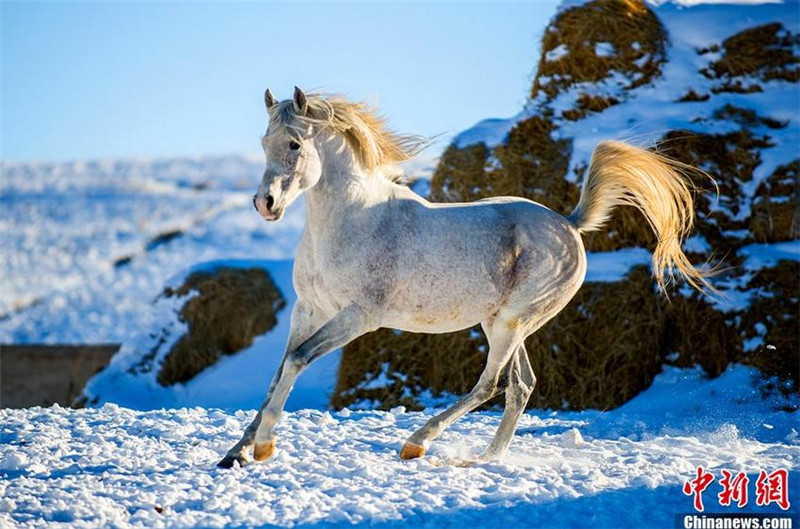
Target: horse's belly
{"type": "Point", "coordinates": [440, 311]}
{"type": "Point", "coordinates": [430, 326]}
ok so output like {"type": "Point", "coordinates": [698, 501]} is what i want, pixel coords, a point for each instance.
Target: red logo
{"type": "Point", "coordinates": [697, 486]}
{"type": "Point", "coordinates": [734, 488]}
{"type": "Point", "coordinates": [771, 487]}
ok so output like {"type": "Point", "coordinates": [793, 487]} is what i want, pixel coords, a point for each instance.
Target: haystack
{"type": "Point", "coordinates": [226, 309]}
{"type": "Point", "coordinates": [771, 325]}
{"type": "Point", "coordinates": [776, 207]}
{"type": "Point", "coordinates": [731, 158]}
{"type": "Point", "coordinates": [763, 53]}
{"type": "Point", "coordinates": [599, 38]}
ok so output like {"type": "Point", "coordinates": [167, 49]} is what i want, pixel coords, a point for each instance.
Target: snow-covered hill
{"type": "Point", "coordinates": [234, 381]}
{"type": "Point", "coordinates": [87, 246]}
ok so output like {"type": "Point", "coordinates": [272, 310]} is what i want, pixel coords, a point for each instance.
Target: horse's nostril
{"type": "Point", "coordinates": [270, 202]}
{"type": "Point", "coordinates": [254, 202]}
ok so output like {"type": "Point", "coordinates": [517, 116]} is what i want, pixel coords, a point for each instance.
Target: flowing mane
{"type": "Point", "coordinates": [365, 131]}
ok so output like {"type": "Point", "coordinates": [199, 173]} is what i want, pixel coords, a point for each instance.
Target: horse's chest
{"type": "Point", "coordinates": [324, 281]}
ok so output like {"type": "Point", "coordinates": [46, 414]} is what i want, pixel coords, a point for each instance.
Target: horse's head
{"type": "Point", "coordinates": [293, 159]}
{"type": "Point", "coordinates": [305, 129]}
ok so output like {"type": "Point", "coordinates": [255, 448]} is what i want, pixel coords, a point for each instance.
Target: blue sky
{"type": "Point", "coordinates": [110, 79]}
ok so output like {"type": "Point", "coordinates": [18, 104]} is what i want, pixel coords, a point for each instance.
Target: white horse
{"type": "Point", "coordinates": [374, 254]}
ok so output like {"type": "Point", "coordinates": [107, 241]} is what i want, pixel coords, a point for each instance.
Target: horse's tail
{"type": "Point", "coordinates": [620, 174]}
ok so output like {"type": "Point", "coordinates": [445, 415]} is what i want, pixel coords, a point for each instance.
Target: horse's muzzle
{"type": "Point", "coordinates": [265, 205]}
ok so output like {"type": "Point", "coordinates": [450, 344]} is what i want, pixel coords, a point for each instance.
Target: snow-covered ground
{"type": "Point", "coordinates": [115, 467]}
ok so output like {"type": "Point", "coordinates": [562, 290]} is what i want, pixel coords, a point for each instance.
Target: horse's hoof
{"type": "Point", "coordinates": [229, 460]}
{"type": "Point", "coordinates": [411, 451]}
{"type": "Point", "coordinates": [263, 451]}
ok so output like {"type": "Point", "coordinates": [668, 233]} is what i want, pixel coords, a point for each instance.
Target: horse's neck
{"type": "Point", "coordinates": [343, 189]}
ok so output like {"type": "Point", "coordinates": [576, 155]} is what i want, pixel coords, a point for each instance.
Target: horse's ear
{"type": "Point", "coordinates": [300, 101]}
{"type": "Point", "coordinates": [269, 99]}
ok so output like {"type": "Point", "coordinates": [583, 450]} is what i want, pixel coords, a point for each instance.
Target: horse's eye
{"type": "Point", "coordinates": [294, 145]}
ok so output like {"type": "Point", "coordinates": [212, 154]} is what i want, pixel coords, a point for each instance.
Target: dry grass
{"type": "Point", "coordinates": [412, 363]}
{"type": "Point", "coordinates": [776, 206]}
{"type": "Point", "coordinates": [533, 165]}
{"type": "Point", "coordinates": [459, 173]}
{"type": "Point", "coordinates": [691, 97]}
{"type": "Point", "coordinates": [629, 25]}
{"type": "Point", "coordinates": [776, 307]}
{"type": "Point", "coordinates": [700, 334]}
{"type": "Point", "coordinates": [232, 306]}
{"type": "Point", "coordinates": [602, 349]}
{"type": "Point", "coordinates": [589, 103]}
{"type": "Point", "coordinates": [764, 52]}
{"type": "Point", "coordinates": [746, 117]}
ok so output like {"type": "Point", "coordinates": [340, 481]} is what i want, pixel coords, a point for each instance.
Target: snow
{"type": "Point", "coordinates": [606, 267]}
{"type": "Point", "coordinates": [758, 256]}
{"type": "Point", "coordinates": [491, 132]}
{"type": "Point", "coordinates": [604, 49]}
{"type": "Point", "coordinates": [113, 466]}
{"type": "Point", "coordinates": [65, 225]}
{"type": "Point", "coordinates": [556, 53]}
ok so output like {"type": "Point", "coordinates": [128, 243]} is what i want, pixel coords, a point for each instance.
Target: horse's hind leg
{"type": "Point", "coordinates": [521, 382]}
{"type": "Point", "coordinates": [504, 338]}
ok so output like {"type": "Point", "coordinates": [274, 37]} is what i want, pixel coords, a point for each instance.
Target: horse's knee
{"type": "Point", "coordinates": [295, 363]}
{"type": "Point", "coordinates": [485, 391]}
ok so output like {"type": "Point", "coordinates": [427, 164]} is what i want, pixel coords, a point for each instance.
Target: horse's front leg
{"type": "Point", "coordinates": [344, 327]}
{"type": "Point", "coordinates": [304, 321]}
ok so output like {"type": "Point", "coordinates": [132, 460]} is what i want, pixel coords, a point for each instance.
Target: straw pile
{"type": "Point", "coordinates": [613, 338]}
